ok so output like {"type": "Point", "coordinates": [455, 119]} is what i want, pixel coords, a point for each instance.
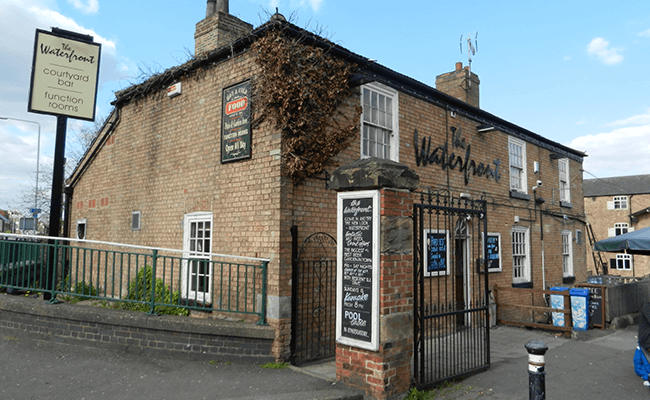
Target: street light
{"type": "Point", "coordinates": [38, 154]}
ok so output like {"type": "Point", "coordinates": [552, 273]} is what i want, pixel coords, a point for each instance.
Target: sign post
{"type": "Point", "coordinates": [65, 74]}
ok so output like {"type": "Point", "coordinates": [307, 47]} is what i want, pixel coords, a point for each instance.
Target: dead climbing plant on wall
{"type": "Point", "coordinates": [300, 89]}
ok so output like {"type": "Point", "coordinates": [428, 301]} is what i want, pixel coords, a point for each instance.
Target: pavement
{"type": "Point", "coordinates": [596, 364]}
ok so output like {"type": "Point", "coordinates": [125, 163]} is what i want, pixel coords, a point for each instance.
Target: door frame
{"type": "Point", "coordinates": [195, 256]}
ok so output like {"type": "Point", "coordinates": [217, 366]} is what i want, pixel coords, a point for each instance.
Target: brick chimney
{"type": "Point", "coordinates": [461, 83]}
{"type": "Point", "coordinates": [218, 29]}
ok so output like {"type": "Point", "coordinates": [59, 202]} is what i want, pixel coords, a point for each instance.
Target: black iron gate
{"type": "Point", "coordinates": [451, 324]}
{"type": "Point", "coordinates": [314, 298]}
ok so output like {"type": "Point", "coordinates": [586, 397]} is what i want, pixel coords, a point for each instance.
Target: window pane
{"type": "Point", "coordinates": [389, 113]}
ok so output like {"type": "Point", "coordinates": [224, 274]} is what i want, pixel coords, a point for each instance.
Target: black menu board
{"type": "Point", "coordinates": [357, 263]}
{"type": "Point", "coordinates": [493, 252]}
{"type": "Point", "coordinates": [437, 252]}
{"type": "Point", "coordinates": [596, 311]}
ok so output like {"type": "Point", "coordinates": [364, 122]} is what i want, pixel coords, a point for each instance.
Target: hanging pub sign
{"type": "Point", "coordinates": [236, 123]}
{"type": "Point", "coordinates": [357, 301]}
{"type": "Point", "coordinates": [65, 72]}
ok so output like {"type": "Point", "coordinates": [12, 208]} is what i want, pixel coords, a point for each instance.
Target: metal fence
{"type": "Point", "coordinates": [451, 322]}
{"type": "Point", "coordinates": [155, 279]}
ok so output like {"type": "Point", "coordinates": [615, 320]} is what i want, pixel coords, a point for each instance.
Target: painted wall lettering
{"type": "Point", "coordinates": [425, 155]}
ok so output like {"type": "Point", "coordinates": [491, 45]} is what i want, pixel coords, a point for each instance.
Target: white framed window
{"type": "Point", "coordinates": [517, 157]}
{"type": "Point", "coordinates": [196, 280]}
{"type": "Point", "coordinates": [82, 228]}
{"type": "Point", "coordinates": [520, 254]}
{"type": "Point", "coordinates": [135, 220]}
{"type": "Point", "coordinates": [620, 228]}
{"type": "Point", "coordinates": [618, 203]}
{"type": "Point", "coordinates": [565, 182]}
{"type": "Point", "coordinates": [623, 262]}
{"type": "Point", "coordinates": [567, 254]}
{"type": "Point", "coordinates": [379, 122]}
{"type": "Point", "coordinates": [436, 243]}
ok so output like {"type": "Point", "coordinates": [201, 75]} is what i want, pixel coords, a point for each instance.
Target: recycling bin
{"type": "Point", "coordinates": [557, 301]}
{"type": "Point", "coordinates": [580, 308]}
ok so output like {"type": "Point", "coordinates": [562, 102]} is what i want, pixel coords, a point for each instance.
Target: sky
{"type": "Point", "coordinates": [576, 72]}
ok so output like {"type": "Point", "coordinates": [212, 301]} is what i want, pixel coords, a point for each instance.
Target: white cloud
{"type": "Point", "coordinates": [634, 120]}
{"type": "Point", "coordinates": [315, 5]}
{"type": "Point", "coordinates": [88, 7]}
{"type": "Point", "coordinates": [51, 18]}
{"type": "Point", "coordinates": [600, 48]}
{"type": "Point", "coordinates": [622, 151]}
{"type": "Point", "coordinates": [645, 33]}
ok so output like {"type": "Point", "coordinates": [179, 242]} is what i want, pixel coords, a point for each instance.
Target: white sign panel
{"type": "Point", "coordinates": [65, 73]}
{"type": "Point", "coordinates": [357, 299]}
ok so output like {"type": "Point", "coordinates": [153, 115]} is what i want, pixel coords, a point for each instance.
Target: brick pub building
{"type": "Point", "coordinates": [165, 159]}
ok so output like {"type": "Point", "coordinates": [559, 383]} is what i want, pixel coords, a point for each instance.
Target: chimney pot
{"type": "Point", "coordinates": [211, 8]}
{"type": "Point", "coordinates": [219, 28]}
{"type": "Point", "coordinates": [459, 66]}
{"type": "Point", "coordinates": [222, 5]}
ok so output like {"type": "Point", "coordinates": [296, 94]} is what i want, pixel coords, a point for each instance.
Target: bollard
{"type": "Point", "coordinates": [536, 375]}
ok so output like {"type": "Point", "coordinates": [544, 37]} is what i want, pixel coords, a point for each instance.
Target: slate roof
{"type": "Point", "coordinates": [616, 186]}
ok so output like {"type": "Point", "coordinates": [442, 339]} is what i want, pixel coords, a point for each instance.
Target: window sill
{"type": "Point", "coordinates": [523, 285]}
{"type": "Point", "coordinates": [565, 204]}
{"type": "Point", "coordinates": [568, 279]}
{"type": "Point", "coordinates": [519, 195]}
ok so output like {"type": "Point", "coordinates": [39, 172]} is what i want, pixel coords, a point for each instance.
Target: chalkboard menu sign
{"type": "Point", "coordinates": [358, 269]}
{"type": "Point", "coordinates": [437, 250]}
{"type": "Point", "coordinates": [596, 310]}
{"type": "Point", "coordinates": [236, 123]}
{"type": "Point", "coordinates": [493, 252]}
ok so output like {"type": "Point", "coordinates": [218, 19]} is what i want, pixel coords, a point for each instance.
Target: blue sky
{"type": "Point", "coordinates": [573, 71]}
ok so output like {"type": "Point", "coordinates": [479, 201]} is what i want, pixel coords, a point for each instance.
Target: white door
{"type": "Point", "coordinates": [196, 273]}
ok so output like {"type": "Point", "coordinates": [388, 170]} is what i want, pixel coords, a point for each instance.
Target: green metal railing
{"type": "Point", "coordinates": [151, 279]}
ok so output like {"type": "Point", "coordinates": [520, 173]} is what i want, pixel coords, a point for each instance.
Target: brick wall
{"type": "Point", "coordinates": [137, 332]}
{"type": "Point", "coordinates": [165, 163]}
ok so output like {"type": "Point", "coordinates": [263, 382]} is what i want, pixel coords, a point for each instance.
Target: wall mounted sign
{"type": "Point", "coordinates": [65, 73]}
{"type": "Point", "coordinates": [436, 243]}
{"type": "Point", "coordinates": [494, 252]}
{"type": "Point", "coordinates": [446, 159]}
{"type": "Point", "coordinates": [357, 301]}
{"type": "Point", "coordinates": [236, 123]}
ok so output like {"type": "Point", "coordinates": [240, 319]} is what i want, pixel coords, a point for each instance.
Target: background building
{"type": "Point", "coordinates": [615, 206]}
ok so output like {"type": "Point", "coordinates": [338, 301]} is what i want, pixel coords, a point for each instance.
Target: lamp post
{"type": "Point", "coordinates": [38, 154]}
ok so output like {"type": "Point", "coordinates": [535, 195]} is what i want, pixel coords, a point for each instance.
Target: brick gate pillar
{"type": "Point", "coordinates": [384, 373]}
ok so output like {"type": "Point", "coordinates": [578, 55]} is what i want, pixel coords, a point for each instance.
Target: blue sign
{"type": "Point", "coordinates": [437, 252]}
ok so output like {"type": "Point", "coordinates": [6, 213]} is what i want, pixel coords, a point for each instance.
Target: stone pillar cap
{"type": "Point", "coordinates": [373, 173]}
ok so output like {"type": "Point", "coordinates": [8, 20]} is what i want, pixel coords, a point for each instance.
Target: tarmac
{"type": "Point", "coordinates": [596, 364]}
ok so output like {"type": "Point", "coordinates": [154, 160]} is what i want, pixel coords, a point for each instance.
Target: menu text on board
{"type": "Point", "coordinates": [357, 269]}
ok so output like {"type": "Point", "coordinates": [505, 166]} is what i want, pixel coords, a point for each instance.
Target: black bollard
{"type": "Point", "coordinates": [536, 375]}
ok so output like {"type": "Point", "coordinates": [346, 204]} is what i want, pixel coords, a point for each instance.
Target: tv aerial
{"type": "Point", "coordinates": [472, 48]}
